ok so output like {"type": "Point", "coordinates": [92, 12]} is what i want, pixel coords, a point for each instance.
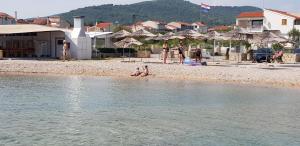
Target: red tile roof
{"type": "Point", "coordinates": [40, 21]}
{"type": "Point", "coordinates": [250, 15]}
{"type": "Point", "coordinates": [284, 13]}
{"type": "Point", "coordinates": [3, 15]}
{"type": "Point", "coordinates": [104, 25]}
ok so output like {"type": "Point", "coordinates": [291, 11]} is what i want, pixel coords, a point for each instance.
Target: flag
{"type": "Point", "coordinates": [205, 8]}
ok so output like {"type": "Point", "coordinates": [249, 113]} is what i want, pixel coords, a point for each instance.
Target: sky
{"type": "Point", "coordinates": [40, 8]}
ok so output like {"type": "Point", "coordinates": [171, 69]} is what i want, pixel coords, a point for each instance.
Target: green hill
{"type": "Point", "coordinates": [162, 10]}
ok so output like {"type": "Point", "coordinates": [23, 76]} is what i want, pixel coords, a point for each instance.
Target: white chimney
{"type": "Point", "coordinates": [79, 30]}
{"type": "Point", "coordinates": [16, 15]}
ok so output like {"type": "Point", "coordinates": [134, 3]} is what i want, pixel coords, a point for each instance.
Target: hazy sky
{"type": "Point", "coordinates": [35, 8]}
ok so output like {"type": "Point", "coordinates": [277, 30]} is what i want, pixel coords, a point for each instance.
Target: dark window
{"type": "Point", "coordinates": [60, 42]}
{"type": "Point", "coordinates": [297, 22]}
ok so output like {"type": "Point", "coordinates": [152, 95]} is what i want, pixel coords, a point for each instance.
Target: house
{"type": "Point", "coordinates": [6, 19]}
{"type": "Point", "coordinates": [251, 21]}
{"type": "Point", "coordinates": [136, 27]}
{"type": "Point", "coordinates": [31, 40]}
{"type": "Point", "coordinates": [181, 26]}
{"type": "Point", "coordinates": [268, 20]}
{"type": "Point", "coordinates": [200, 27]}
{"type": "Point", "coordinates": [57, 21]}
{"type": "Point", "coordinates": [101, 27]}
{"type": "Point", "coordinates": [53, 21]}
{"type": "Point", "coordinates": [155, 26]}
{"type": "Point", "coordinates": [281, 21]}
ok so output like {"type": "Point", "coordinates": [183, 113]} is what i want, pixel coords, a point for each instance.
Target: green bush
{"type": "Point", "coordinates": [126, 50]}
{"type": "Point", "coordinates": [277, 46]}
{"type": "Point", "coordinates": [107, 50]}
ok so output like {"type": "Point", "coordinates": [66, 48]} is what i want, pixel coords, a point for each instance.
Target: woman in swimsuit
{"type": "Point", "coordinates": [165, 51]}
{"type": "Point", "coordinates": [181, 53]}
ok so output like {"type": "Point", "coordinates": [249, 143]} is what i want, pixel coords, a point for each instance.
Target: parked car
{"type": "Point", "coordinates": [263, 55]}
{"type": "Point", "coordinates": [297, 51]}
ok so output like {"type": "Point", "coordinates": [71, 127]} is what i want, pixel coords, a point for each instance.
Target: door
{"type": "Point", "coordinates": [59, 44]}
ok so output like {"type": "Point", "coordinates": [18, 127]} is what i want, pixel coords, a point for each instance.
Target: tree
{"type": "Point", "coordinates": [277, 46]}
{"type": "Point", "coordinates": [294, 34]}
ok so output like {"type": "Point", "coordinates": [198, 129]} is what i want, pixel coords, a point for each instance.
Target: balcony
{"type": "Point", "coordinates": [253, 29]}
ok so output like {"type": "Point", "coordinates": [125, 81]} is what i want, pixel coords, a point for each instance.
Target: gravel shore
{"type": "Point", "coordinates": [254, 74]}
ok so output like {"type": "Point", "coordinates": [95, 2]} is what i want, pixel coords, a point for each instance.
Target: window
{"type": "Point", "coordinates": [284, 22]}
{"type": "Point", "coordinates": [297, 22]}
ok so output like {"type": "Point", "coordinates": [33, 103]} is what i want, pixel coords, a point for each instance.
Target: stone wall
{"type": "Point", "coordinates": [238, 57]}
{"type": "Point", "coordinates": [291, 58]}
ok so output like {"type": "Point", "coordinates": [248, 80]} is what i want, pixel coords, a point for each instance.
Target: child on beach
{"type": "Point", "coordinates": [136, 73]}
{"type": "Point", "coordinates": [145, 72]}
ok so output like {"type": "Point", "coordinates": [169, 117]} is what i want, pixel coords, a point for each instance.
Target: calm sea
{"type": "Point", "coordinates": [65, 111]}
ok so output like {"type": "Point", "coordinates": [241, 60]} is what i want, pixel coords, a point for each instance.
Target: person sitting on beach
{"type": "Point", "coordinates": [145, 72]}
{"type": "Point", "coordinates": [278, 56]}
{"type": "Point", "coordinates": [136, 73]}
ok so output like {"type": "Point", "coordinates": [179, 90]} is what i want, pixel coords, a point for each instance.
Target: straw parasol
{"type": "Point", "coordinates": [142, 33]}
{"type": "Point", "coordinates": [268, 37]}
{"type": "Point", "coordinates": [121, 34]}
{"type": "Point", "coordinates": [189, 33]}
{"type": "Point", "coordinates": [128, 42]}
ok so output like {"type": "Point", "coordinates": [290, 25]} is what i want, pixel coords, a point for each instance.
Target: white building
{"type": "Point", "coordinates": [268, 20]}
{"type": "Point", "coordinates": [154, 26]}
{"type": "Point", "coordinates": [29, 40]}
{"type": "Point", "coordinates": [200, 27]}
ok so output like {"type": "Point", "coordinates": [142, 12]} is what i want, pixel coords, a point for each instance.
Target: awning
{"type": "Point", "coordinates": [98, 34]}
{"type": "Point", "coordinates": [27, 28]}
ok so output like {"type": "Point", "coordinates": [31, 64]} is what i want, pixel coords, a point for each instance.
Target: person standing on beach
{"type": "Point", "coordinates": [181, 53]}
{"type": "Point", "coordinates": [165, 51]}
{"type": "Point", "coordinates": [199, 55]}
{"type": "Point", "coordinates": [65, 48]}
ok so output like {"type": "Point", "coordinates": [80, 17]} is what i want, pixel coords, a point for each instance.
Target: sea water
{"type": "Point", "coordinates": [74, 110]}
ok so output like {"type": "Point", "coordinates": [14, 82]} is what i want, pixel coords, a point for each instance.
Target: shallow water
{"type": "Point", "coordinates": [51, 110]}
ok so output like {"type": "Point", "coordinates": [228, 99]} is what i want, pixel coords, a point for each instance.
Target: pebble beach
{"type": "Point", "coordinates": [269, 75]}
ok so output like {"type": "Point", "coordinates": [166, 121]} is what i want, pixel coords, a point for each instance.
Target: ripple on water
{"type": "Point", "coordinates": [53, 110]}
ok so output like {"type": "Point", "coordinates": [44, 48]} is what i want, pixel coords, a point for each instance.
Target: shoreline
{"type": "Point", "coordinates": [242, 75]}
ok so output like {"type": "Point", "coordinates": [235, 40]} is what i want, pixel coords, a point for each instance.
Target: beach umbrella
{"type": "Point", "coordinates": [127, 42]}
{"type": "Point", "coordinates": [264, 38]}
{"type": "Point", "coordinates": [189, 33]}
{"type": "Point", "coordinates": [142, 33]}
{"type": "Point", "coordinates": [169, 34]}
{"type": "Point", "coordinates": [157, 37]}
{"type": "Point", "coordinates": [121, 34]}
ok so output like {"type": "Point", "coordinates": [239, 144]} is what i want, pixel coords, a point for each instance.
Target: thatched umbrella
{"type": "Point", "coordinates": [127, 42]}
{"type": "Point", "coordinates": [157, 37]}
{"type": "Point", "coordinates": [121, 34]}
{"type": "Point", "coordinates": [189, 33]}
{"type": "Point", "coordinates": [267, 37]}
{"type": "Point", "coordinates": [142, 33]}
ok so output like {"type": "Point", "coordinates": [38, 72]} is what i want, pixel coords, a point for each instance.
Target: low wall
{"type": "Point", "coordinates": [238, 57]}
{"type": "Point", "coordinates": [143, 54]}
{"type": "Point", "coordinates": [291, 58]}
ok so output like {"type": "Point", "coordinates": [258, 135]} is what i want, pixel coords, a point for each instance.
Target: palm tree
{"type": "Point", "coordinates": [294, 34]}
